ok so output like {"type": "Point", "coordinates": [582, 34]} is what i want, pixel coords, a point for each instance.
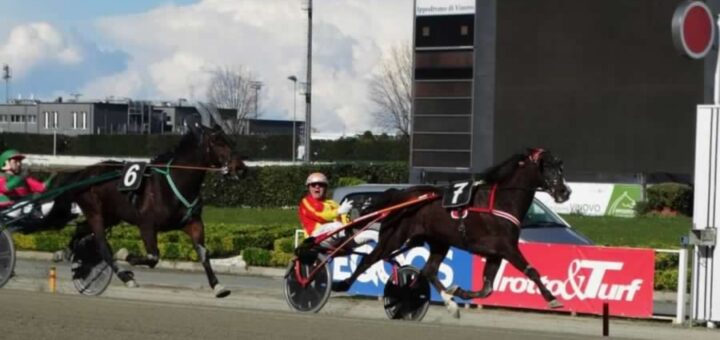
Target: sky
{"type": "Point", "coordinates": [167, 49]}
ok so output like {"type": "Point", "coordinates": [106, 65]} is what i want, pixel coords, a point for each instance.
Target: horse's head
{"type": "Point", "coordinates": [219, 150]}
{"type": "Point", "coordinates": [552, 179]}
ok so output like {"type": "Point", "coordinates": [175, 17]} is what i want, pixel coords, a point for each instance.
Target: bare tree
{"type": "Point", "coordinates": [234, 89]}
{"type": "Point", "coordinates": [391, 90]}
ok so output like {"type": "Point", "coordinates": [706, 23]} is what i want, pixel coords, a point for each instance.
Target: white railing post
{"type": "Point", "coordinates": [681, 286]}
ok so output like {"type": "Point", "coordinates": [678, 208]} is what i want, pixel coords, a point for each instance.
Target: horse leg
{"type": "Point", "coordinates": [65, 254]}
{"type": "Point", "coordinates": [97, 227]}
{"type": "Point", "coordinates": [149, 236]}
{"type": "Point", "coordinates": [516, 258]}
{"type": "Point", "coordinates": [492, 265]}
{"type": "Point", "coordinates": [382, 250]}
{"type": "Point", "coordinates": [430, 270]}
{"type": "Point", "coordinates": [196, 230]}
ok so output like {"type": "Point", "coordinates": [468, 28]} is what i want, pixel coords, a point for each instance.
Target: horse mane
{"type": "Point", "coordinates": [497, 173]}
{"type": "Point", "coordinates": [187, 142]}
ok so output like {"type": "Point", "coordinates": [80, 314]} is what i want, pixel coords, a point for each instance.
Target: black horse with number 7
{"type": "Point", "coordinates": [489, 225]}
{"type": "Point", "coordinates": [167, 197]}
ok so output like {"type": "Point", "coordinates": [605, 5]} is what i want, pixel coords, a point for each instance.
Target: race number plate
{"type": "Point", "coordinates": [132, 176]}
{"type": "Point", "coordinates": [457, 194]}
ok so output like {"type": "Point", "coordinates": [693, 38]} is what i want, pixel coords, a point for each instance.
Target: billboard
{"type": "Point", "coordinates": [581, 277]}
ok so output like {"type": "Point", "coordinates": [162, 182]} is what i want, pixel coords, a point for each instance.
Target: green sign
{"type": "Point", "coordinates": [623, 199]}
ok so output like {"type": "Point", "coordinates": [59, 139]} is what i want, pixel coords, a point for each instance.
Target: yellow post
{"type": "Point", "coordinates": [52, 280]}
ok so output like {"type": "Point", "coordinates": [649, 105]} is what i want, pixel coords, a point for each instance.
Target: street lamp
{"type": "Point", "coordinates": [294, 148]}
{"type": "Point", "coordinates": [256, 85]}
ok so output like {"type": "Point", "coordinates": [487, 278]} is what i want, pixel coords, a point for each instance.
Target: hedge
{"type": "Point", "coordinates": [278, 186]}
{"type": "Point", "coordinates": [667, 197]}
{"type": "Point", "coordinates": [278, 147]}
{"type": "Point", "coordinates": [221, 240]}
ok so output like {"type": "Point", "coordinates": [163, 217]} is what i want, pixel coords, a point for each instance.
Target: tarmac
{"type": "Point", "coordinates": [268, 297]}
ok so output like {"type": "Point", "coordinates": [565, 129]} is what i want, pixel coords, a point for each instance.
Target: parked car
{"type": "Point", "coordinates": [539, 225]}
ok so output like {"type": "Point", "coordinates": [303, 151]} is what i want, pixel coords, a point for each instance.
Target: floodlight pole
{"type": "Point", "coordinates": [308, 92]}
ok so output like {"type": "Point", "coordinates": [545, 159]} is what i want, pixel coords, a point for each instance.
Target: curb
{"type": "Point", "coordinates": [237, 268]}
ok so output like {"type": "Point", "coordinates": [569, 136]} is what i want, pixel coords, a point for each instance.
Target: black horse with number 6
{"type": "Point", "coordinates": [488, 225]}
{"type": "Point", "coordinates": [167, 198]}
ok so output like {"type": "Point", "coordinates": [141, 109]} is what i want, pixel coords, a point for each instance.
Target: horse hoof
{"type": "Point", "coordinates": [220, 291]}
{"type": "Point", "coordinates": [555, 304]}
{"type": "Point", "coordinates": [453, 309]}
{"type": "Point", "coordinates": [122, 254]}
{"type": "Point", "coordinates": [131, 284]}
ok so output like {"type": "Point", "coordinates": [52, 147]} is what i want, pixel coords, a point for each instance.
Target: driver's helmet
{"type": "Point", "coordinates": [316, 177]}
{"type": "Point", "coordinates": [8, 155]}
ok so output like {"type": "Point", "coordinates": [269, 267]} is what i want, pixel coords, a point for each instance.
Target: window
{"type": "Point", "coordinates": [55, 120]}
{"type": "Point", "coordinates": [84, 120]}
{"type": "Point", "coordinates": [32, 119]}
{"type": "Point", "coordinates": [47, 119]}
{"type": "Point", "coordinates": [74, 124]}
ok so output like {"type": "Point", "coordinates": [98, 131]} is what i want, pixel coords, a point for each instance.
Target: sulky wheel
{"type": "Point", "coordinates": [91, 274]}
{"type": "Point", "coordinates": [312, 296]}
{"type": "Point", "coordinates": [7, 257]}
{"type": "Point", "coordinates": [407, 296]}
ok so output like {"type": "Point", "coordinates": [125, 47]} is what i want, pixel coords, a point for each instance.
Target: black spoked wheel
{"type": "Point", "coordinates": [7, 257]}
{"type": "Point", "coordinates": [408, 296]}
{"type": "Point", "coordinates": [91, 274]}
{"type": "Point", "coordinates": [311, 297]}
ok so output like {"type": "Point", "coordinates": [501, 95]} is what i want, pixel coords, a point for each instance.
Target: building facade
{"type": "Point", "coordinates": [121, 117]}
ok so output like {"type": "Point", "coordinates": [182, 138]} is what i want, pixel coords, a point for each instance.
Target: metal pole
{"type": "Point", "coordinates": [308, 91]}
{"type": "Point", "coordinates": [682, 285]}
{"type": "Point", "coordinates": [293, 78]}
{"type": "Point", "coordinates": [294, 146]}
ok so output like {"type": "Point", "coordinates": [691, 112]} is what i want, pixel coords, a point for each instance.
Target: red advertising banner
{"type": "Point", "coordinates": [581, 277]}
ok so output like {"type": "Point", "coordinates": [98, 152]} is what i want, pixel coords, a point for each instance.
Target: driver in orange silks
{"type": "Point", "coordinates": [320, 215]}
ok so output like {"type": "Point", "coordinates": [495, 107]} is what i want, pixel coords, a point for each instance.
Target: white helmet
{"type": "Point", "coordinates": [316, 177]}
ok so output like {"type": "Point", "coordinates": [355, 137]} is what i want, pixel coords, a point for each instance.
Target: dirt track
{"type": "Point", "coordinates": [33, 315]}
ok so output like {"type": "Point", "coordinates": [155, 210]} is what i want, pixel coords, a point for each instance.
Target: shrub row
{"type": "Point", "coordinates": [667, 198]}
{"type": "Point", "coordinates": [221, 240]}
{"type": "Point", "coordinates": [278, 186]}
{"type": "Point", "coordinates": [278, 147]}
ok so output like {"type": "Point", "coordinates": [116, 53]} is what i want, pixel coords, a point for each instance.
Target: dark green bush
{"type": "Point", "coordinates": [285, 244]}
{"type": "Point", "coordinates": [366, 147]}
{"type": "Point", "coordinates": [277, 186]}
{"type": "Point", "coordinates": [673, 196]}
{"type": "Point", "coordinates": [280, 259]}
{"type": "Point", "coordinates": [256, 257]}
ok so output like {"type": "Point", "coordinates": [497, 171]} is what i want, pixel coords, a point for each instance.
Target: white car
{"type": "Point", "coordinates": [539, 225]}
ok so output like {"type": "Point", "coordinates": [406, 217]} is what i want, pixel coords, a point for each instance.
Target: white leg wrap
{"type": "Point", "coordinates": [451, 306]}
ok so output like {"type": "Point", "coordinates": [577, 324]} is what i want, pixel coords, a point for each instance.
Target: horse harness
{"type": "Point", "coordinates": [458, 197]}
{"type": "Point", "coordinates": [191, 207]}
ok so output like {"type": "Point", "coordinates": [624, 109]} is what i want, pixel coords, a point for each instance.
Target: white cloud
{"type": "Point", "coordinates": [125, 84]}
{"type": "Point", "coordinates": [35, 44]}
{"type": "Point", "coordinates": [172, 47]}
